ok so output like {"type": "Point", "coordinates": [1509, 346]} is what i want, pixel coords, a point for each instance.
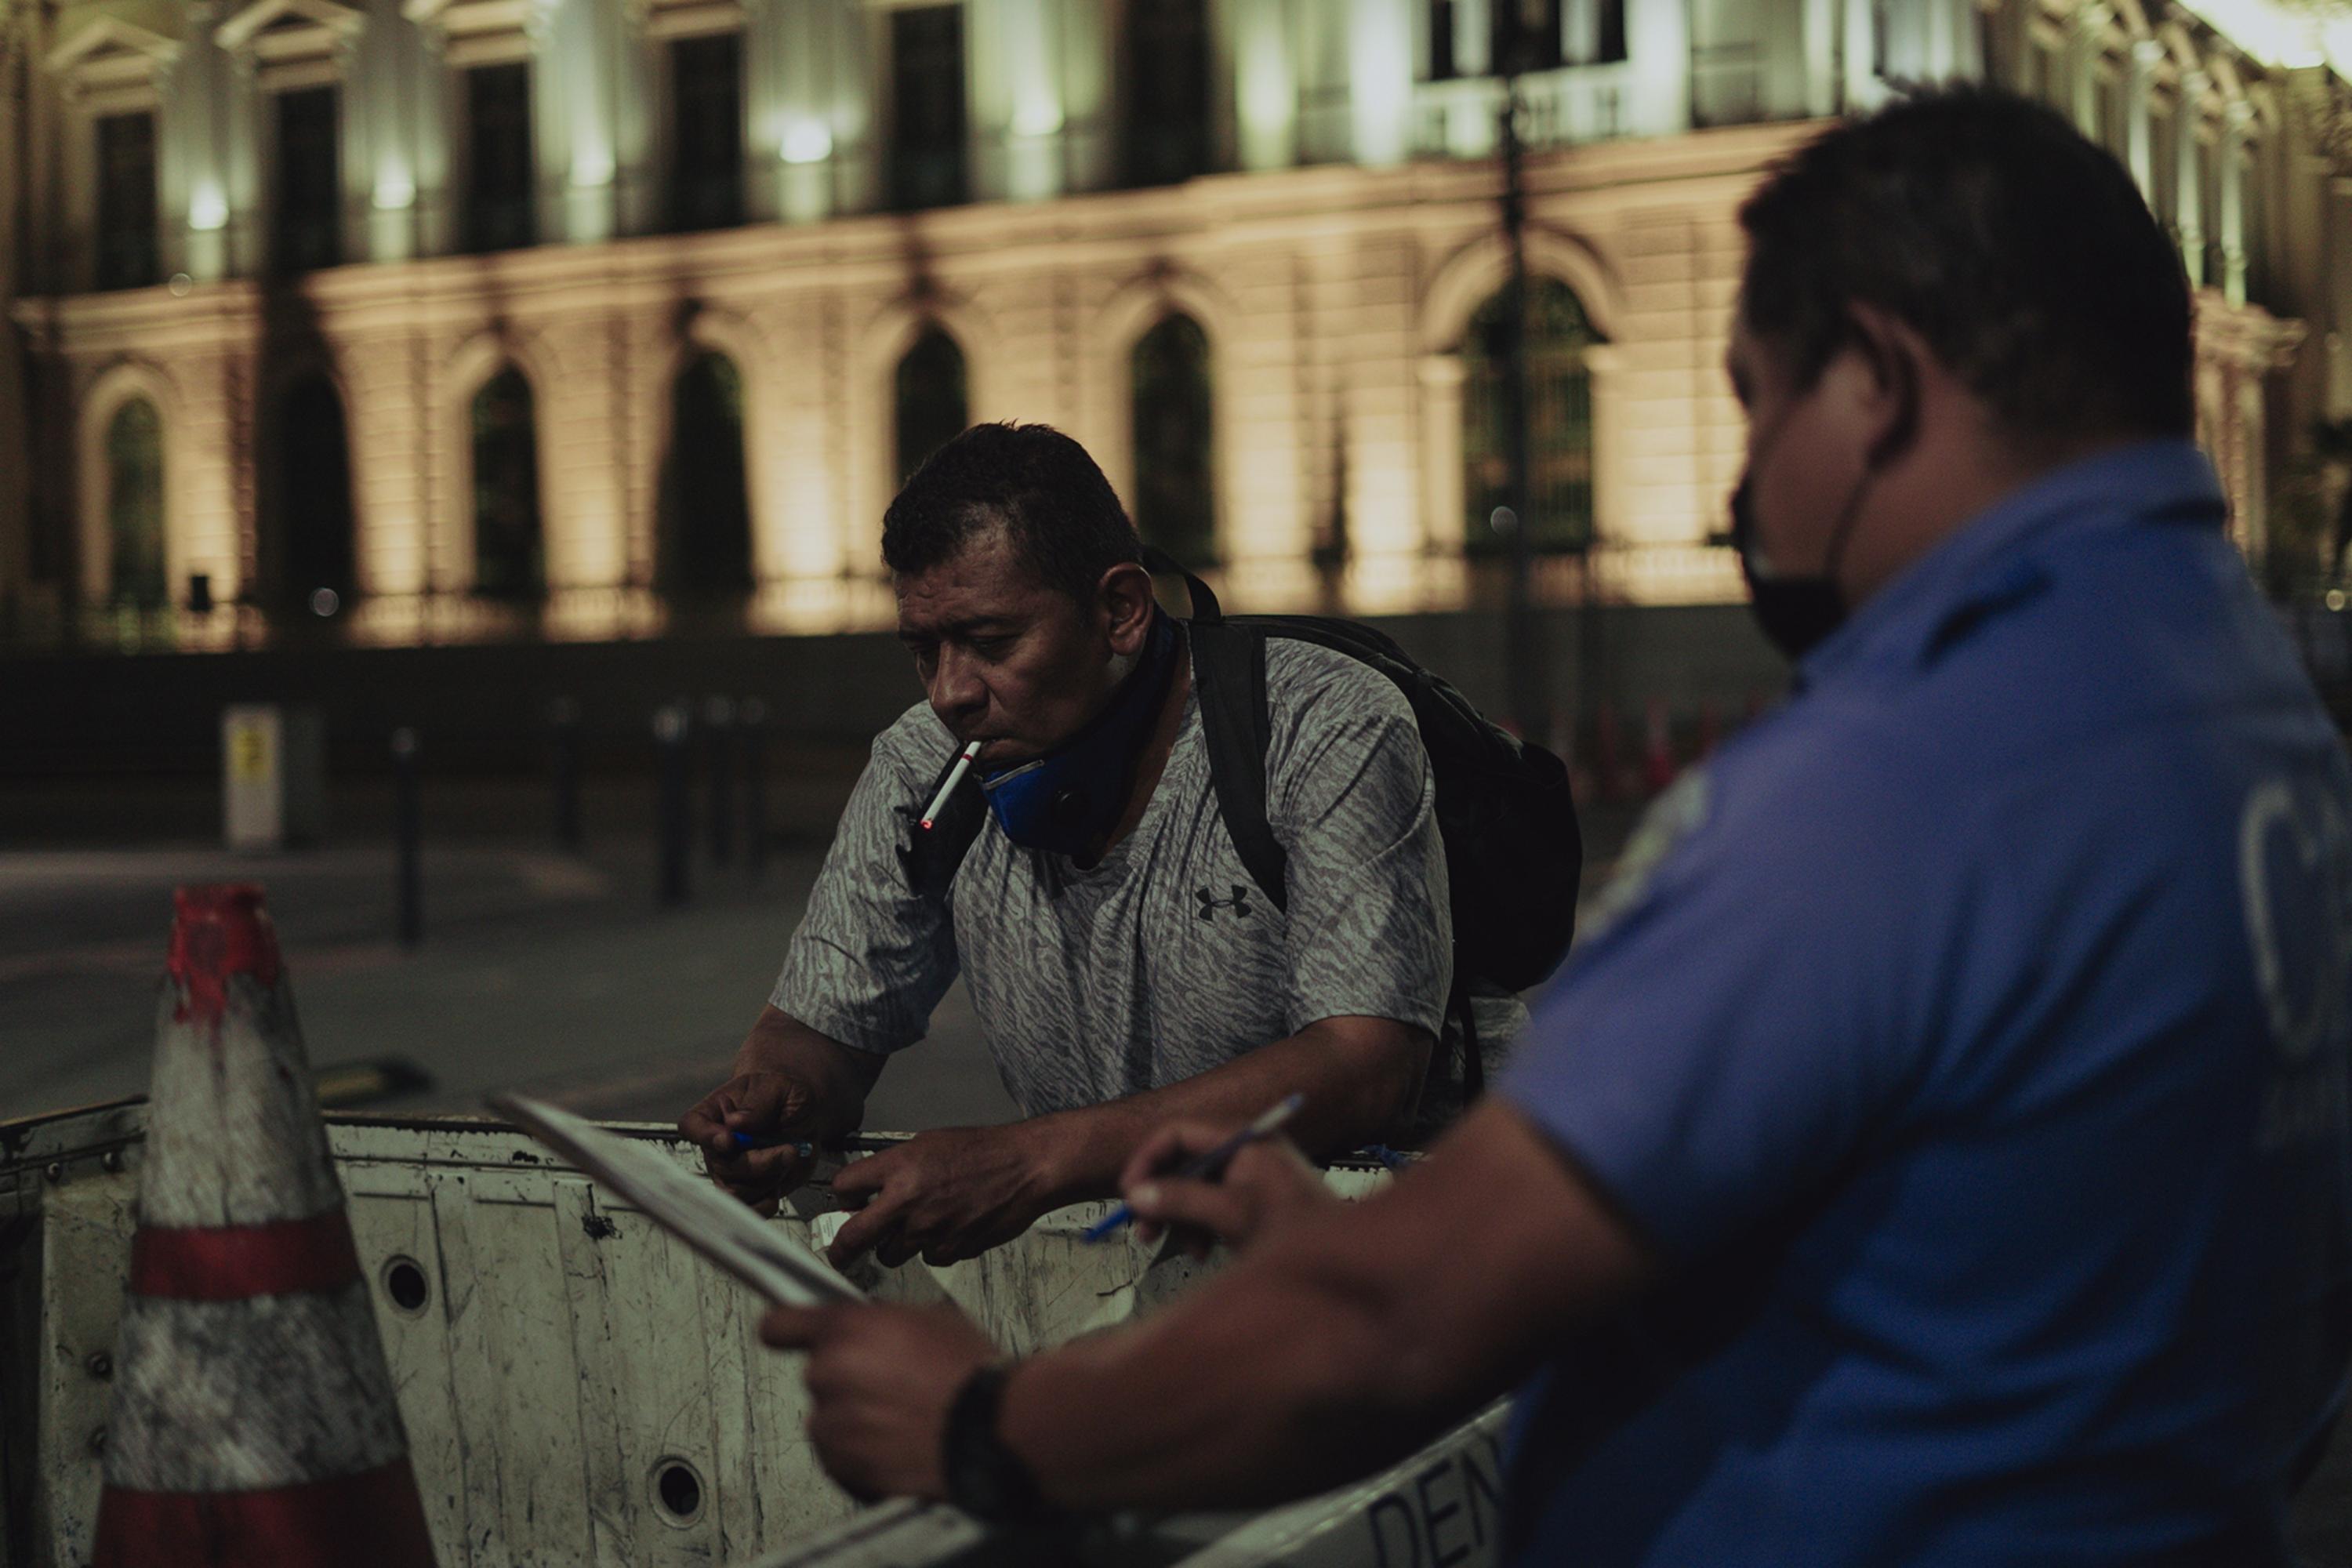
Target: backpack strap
{"type": "Point", "coordinates": [1229, 674]}
{"type": "Point", "coordinates": [1229, 669]}
{"type": "Point", "coordinates": [1206, 611]}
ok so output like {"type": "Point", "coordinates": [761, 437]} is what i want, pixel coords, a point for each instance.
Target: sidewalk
{"type": "Point", "coordinates": [551, 973]}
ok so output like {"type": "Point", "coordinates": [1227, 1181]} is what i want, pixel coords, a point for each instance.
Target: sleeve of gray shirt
{"type": "Point", "coordinates": [1351, 796]}
{"type": "Point", "coordinates": [871, 958]}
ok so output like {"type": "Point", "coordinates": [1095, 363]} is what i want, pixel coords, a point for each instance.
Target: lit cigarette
{"type": "Point", "coordinates": [955, 776]}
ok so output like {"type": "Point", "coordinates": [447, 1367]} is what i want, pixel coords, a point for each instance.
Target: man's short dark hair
{"type": "Point", "coordinates": [2022, 253]}
{"type": "Point", "coordinates": [1058, 512]}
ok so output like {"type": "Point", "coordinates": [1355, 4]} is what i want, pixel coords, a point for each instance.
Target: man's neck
{"type": "Point", "coordinates": [1959, 481]}
{"type": "Point", "coordinates": [1157, 747]}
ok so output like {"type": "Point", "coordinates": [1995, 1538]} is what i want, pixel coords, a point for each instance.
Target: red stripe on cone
{"type": "Point", "coordinates": [1658, 749]}
{"type": "Point", "coordinates": [232, 1262]}
{"type": "Point", "coordinates": [218, 931]}
{"type": "Point", "coordinates": [372, 1520]}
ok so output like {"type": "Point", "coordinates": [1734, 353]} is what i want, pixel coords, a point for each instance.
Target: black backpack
{"type": "Point", "coordinates": [1513, 851]}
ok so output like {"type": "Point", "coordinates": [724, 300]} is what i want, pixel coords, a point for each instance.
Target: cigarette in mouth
{"type": "Point", "coordinates": [955, 776]}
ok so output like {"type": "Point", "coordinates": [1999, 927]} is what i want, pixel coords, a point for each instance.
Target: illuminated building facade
{"type": "Point", "coordinates": [423, 320]}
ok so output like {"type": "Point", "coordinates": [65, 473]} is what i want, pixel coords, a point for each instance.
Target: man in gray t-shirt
{"type": "Point", "coordinates": [1125, 966]}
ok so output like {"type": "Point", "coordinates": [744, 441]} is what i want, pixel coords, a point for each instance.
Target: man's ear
{"type": "Point", "coordinates": [1123, 607]}
{"type": "Point", "coordinates": [1897, 357]}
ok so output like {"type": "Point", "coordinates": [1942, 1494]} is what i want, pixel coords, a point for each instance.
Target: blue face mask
{"type": "Point", "coordinates": [1068, 801]}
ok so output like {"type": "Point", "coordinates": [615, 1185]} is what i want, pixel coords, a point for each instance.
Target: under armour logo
{"type": "Point", "coordinates": [1238, 903]}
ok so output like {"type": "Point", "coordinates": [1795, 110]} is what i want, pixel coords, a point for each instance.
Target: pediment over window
{"type": "Point", "coordinates": [273, 25]}
{"type": "Point", "coordinates": [686, 19]}
{"type": "Point", "coordinates": [479, 32]}
{"type": "Point", "coordinates": [294, 43]}
{"type": "Point", "coordinates": [114, 64]}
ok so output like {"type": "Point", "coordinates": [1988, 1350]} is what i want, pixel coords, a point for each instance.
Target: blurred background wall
{"type": "Point", "coordinates": [453, 357]}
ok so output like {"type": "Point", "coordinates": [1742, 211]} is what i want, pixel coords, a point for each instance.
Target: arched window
{"type": "Point", "coordinates": [1175, 483]}
{"type": "Point", "coordinates": [706, 527]}
{"type": "Point", "coordinates": [930, 399]}
{"type": "Point", "coordinates": [1560, 420]}
{"type": "Point", "coordinates": [310, 497]}
{"type": "Point", "coordinates": [134, 507]}
{"type": "Point", "coordinates": [509, 559]}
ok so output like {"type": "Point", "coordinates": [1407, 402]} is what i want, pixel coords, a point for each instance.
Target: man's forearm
{"type": "Point", "coordinates": [837, 1077]}
{"type": "Point", "coordinates": [1342, 1343]}
{"type": "Point", "coordinates": [1358, 1076]}
{"type": "Point", "coordinates": [1267, 1387]}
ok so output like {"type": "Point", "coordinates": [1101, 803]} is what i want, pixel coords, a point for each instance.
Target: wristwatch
{"type": "Point", "coordinates": [984, 1478]}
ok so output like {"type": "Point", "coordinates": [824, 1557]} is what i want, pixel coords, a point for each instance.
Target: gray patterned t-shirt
{"type": "Point", "coordinates": [1165, 960]}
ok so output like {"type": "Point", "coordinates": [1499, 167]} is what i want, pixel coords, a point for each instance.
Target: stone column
{"type": "Point", "coordinates": [392, 60]}
{"type": "Point", "coordinates": [2231, 161]}
{"type": "Point", "coordinates": [1090, 96]}
{"type": "Point", "coordinates": [1966, 59]}
{"type": "Point", "coordinates": [1862, 87]}
{"type": "Point", "coordinates": [193, 105]}
{"type": "Point", "coordinates": [202, 465]}
{"type": "Point", "coordinates": [2139, 151]}
{"type": "Point", "coordinates": [15, 516]}
{"type": "Point", "coordinates": [2188, 188]}
{"type": "Point", "coordinates": [1604, 365]}
{"type": "Point", "coordinates": [2249, 413]}
{"type": "Point", "coordinates": [1441, 375]}
{"type": "Point", "coordinates": [544, 29]}
{"type": "Point", "coordinates": [2339, 304]}
{"type": "Point", "coordinates": [827, 143]}
{"type": "Point", "coordinates": [639, 62]}
{"type": "Point", "coordinates": [1820, 27]}
{"type": "Point", "coordinates": [433, 101]}
{"type": "Point", "coordinates": [387, 491]}
{"type": "Point", "coordinates": [1474, 37]}
{"type": "Point", "coordinates": [1658, 42]}
{"type": "Point", "coordinates": [575, 57]}
{"type": "Point", "coordinates": [2081, 69]}
{"type": "Point", "coordinates": [1265, 92]}
{"type": "Point", "coordinates": [1017, 118]}
{"type": "Point", "coordinates": [1380, 80]}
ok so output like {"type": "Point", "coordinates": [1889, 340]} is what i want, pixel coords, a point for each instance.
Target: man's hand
{"type": "Point", "coordinates": [883, 1377]}
{"type": "Point", "coordinates": [948, 1194]}
{"type": "Point", "coordinates": [791, 1084]}
{"type": "Point", "coordinates": [1265, 1184]}
{"type": "Point", "coordinates": [764, 1105]}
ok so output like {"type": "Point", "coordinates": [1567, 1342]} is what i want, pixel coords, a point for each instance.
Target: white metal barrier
{"type": "Point", "coordinates": [579, 1389]}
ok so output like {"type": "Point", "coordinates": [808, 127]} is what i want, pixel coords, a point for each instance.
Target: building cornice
{"type": "Point", "coordinates": [1299, 210]}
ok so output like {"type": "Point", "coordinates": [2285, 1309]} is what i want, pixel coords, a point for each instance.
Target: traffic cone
{"type": "Point", "coordinates": [1657, 748]}
{"type": "Point", "coordinates": [253, 1420]}
{"type": "Point", "coordinates": [1608, 772]}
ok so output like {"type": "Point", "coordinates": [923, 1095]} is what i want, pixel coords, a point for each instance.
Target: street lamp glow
{"type": "Point", "coordinates": [807, 142]}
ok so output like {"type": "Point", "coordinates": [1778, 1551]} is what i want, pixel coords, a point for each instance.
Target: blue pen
{"type": "Point", "coordinates": [800, 1146]}
{"type": "Point", "coordinates": [1211, 1166]}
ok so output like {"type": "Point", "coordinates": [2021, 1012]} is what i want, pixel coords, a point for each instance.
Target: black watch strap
{"type": "Point", "coordinates": [984, 1478]}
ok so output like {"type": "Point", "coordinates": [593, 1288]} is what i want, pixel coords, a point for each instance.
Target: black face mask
{"type": "Point", "coordinates": [1797, 613]}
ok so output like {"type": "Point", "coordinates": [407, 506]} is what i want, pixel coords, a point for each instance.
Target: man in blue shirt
{"type": "Point", "coordinates": [1935, 1152]}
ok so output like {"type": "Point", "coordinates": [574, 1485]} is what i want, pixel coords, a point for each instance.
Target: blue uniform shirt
{"type": "Point", "coordinates": [1970, 1040]}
